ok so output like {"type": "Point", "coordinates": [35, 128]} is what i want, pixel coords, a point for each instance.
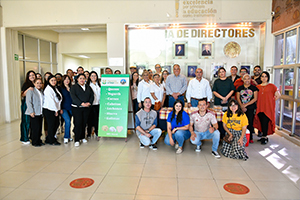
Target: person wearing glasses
{"type": "Point", "coordinates": [158, 69]}
{"type": "Point", "coordinates": [257, 73]}
{"type": "Point", "coordinates": [143, 88]}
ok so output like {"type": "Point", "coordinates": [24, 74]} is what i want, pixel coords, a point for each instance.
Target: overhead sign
{"type": "Point", "coordinates": [114, 105]}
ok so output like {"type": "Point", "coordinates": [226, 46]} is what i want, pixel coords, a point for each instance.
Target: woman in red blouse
{"type": "Point", "coordinates": [264, 119]}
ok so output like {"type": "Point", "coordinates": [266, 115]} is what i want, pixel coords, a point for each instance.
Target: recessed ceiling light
{"type": "Point", "coordinates": [83, 56]}
{"type": "Point", "coordinates": [85, 29]}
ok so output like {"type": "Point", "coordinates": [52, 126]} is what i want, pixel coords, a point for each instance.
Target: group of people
{"type": "Point", "coordinates": [247, 101]}
{"type": "Point", "coordinates": [57, 99]}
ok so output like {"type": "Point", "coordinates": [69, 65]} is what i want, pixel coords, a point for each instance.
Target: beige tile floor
{"type": "Point", "coordinates": [121, 170]}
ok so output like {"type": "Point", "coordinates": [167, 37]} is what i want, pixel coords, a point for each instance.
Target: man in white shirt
{"type": "Point", "coordinates": [198, 88]}
{"type": "Point", "coordinates": [204, 125]}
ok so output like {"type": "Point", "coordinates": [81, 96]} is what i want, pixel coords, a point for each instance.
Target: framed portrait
{"type": "Point", "coordinates": [215, 67]}
{"type": "Point", "coordinates": [180, 50]}
{"type": "Point", "coordinates": [247, 66]}
{"type": "Point", "coordinates": [167, 67]}
{"type": "Point", "coordinates": [191, 69]}
{"type": "Point", "coordinates": [206, 50]}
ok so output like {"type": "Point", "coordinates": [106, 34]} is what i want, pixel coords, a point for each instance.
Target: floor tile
{"type": "Point", "coordinates": [31, 166]}
{"type": "Point", "coordinates": [118, 185]}
{"type": "Point", "coordinates": [69, 195]}
{"type": "Point", "coordinates": [59, 166]}
{"type": "Point", "coordinates": [194, 171]}
{"type": "Point", "coordinates": [264, 173]}
{"type": "Point", "coordinates": [278, 189]}
{"type": "Point", "coordinates": [98, 196]}
{"type": "Point", "coordinates": [122, 169]}
{"type": "Point", "coordinates": [150, 197]}
{"type": "Point", "coordinates": [232, 173]}
{"type": "Point", "coordinates": [198, 188]}
{"type": "Point", "coordinates": [4, 191]}
{"type": "Point", "coordinates": [28, 194]}
{"type": "Point", "coordinates": [93, 168]}
{"type": "Point", "coordinates": [157, 186]}
{"type": "Point", "coordinates": [164, 171]}
{"type": "Point", "coordinates": [14, 178]}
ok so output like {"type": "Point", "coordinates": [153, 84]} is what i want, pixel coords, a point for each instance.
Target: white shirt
{"type": "Point", "coordinates": [96, 89]}
{"type": "Point", "coordinates": [83, 86]}
{"type": "Point", "coordinates": [143, 90]}
{"type": "Point", "coordinates": [41, 98]}
{"type": "Point", "coordinates": [198, 89]}
{"type": "Point", "coordinates": [51, 101]}
{"type": "Point", "coordinates": [158, 92]}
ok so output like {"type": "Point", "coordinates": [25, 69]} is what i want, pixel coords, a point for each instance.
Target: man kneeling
{"type": "Point", "coordinates": [206, 127]}
{"type": "Point", "coordinates": [145, 123]}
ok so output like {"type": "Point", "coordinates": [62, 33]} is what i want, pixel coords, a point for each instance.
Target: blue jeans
{"type": "Point", "coordinates": [215, 136]}
{"type": "Point", "coordinates": [180, 136]}
{"type": "Point", "coordinates": [67, 115]}
{"type": "Point", "coordinates": [146, 141]}
{"type": "Point", "coordinates": [194, 102]}
{"type": "Point", "coordinates": [172, 100]}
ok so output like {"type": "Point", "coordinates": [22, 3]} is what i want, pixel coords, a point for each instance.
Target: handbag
{"type": "Point", "coordinates": [157, 105]}
{"type": "Point", "coordinates": [226, 139]}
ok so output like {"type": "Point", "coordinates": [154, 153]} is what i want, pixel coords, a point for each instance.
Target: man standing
{"type": "Point", "coordinates": [257, 73]}
{"type": "Point", "coordinates": [239, 82]}
{"type": "Point", "coordinates": [176, 86]}
{"type": "Point", "coordinates": [108, 70]}
{"type": "Point", "coordinates": [233, 77]}
{"type": "Point", "coordinates": [206, 127]}
{"type": "Point", "coordinates": [132, 69]}
{"type": "Point", "coordinates": [198, 88]}
{"type": "Point", "coordinates": [145, 123]}
{"type": "Point", "coordinates": [206, 51]}
{"type": "Point", "coordinates": [80, 70]}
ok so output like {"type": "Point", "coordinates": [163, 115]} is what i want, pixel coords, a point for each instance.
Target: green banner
{"type": "Point", "coordinates": [113, 117]}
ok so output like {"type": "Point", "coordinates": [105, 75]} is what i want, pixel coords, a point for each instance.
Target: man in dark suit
{"type": "Point", "coordinates": [179, 50]}
{"type": "Point", "coordinates": [206, 51]}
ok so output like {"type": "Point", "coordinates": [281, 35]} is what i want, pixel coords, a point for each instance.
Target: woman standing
{"type": "Point", "coordinates": [163, 80]}
{"type": "Point", "coordinates": [177, 127]}
{"type": "Point", "coordinates": [235, 123]}
{"type": "Point", "coordinates": [157, 92]}
{"type": "Point", "coordinates": [34, 102]}
{"type": "Point", "coordinates": [264, 119]}
{"type": "Point", "coordinates": [82, 98]}
{"type": "Point", "coordinates": [25, 120]}
{"type": "Point", "coordinates": [66, 108]}
{"type": "Point", "coordinates": [45, 83]}
{"type": "Point", "coordinates": [134, 82]}
{"type": "Point", "coordinates": [93, 121]}
{"type": "Point", "coordinates": [143, 88]}
{"type": "Point", "coordinates": [247, 97]}
{"type": "Point", "coordinates": [51, 107]}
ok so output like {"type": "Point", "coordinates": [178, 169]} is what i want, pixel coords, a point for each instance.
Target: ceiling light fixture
{"type": "Point", "coordinates": [83, 56]}
{"type": "Point", "coordinates": [85, 29]}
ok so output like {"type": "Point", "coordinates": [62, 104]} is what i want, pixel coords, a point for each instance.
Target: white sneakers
{"type": "Point", "coordinates": [179, 150]}
{"type": "Point", "coordinates": [76, 144]}
{"type": "Point", "coordinates": [28, 142]}
{"type": "Point", "coordinates": [66, 140]}
{"type": "Point", "coordinates": [84, 141]}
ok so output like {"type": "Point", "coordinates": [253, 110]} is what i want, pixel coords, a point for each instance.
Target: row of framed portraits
{"type": "Point", "coordinates": [206, 50]}
{"type": "Point", "coordinates": [191, 68]}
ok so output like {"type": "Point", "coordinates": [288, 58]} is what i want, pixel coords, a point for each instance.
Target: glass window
{"type": "Point", "coordinates": [31, 48]}
{"type": "Point", "coordinates": [298, 82]}
{"type": "Point", "coordinates": [297, 125]}
{"type": "Point", "coordinates": [45, 51]}
{"type": "Point", "coordinates": [279, 49]}
{"type": "Point", "coordinates": [20, 41]}
{"type": "Point", "coordinates": [288, 81]}
{"type": "Point", "coordinates": [31, 66]}
{"type": "Point", "coordinates": [287, 115]}
{"type": "Point", "coordinates": [22, 72]}
{"type": "Point", "coordinates": [278, 79]}
{"type": "Point", "coordinates": [54, 59]}
{"type": "Point", "coordinates": [45, 68]}
{"type": "Point", "coordinates": [290, 47]}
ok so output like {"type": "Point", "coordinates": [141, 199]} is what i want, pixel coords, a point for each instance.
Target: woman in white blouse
{"type": "Point", "coordinates": [144, 88]}
{"type": "Point", "coordinates": [93, 121]}
{"type": "Point", "coordinates": [157, 91]}
{"type": "Point", "coordinates": [51, 107]}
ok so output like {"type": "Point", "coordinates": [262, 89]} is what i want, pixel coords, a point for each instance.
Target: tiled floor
{"type": "Point", "coordinates": [121, 170]}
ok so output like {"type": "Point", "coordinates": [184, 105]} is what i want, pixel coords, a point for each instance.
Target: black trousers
{"type": "Point", "coordinates": [264, 121]}
{"type": "Point", "coordinates": [93, 120]}
{"type": "Point", "coordinates": [250, 115]}
{"type": "Point", "coordinates": [80, 118]}
{"type": "Point", "coordinates": [53, 122]}
{"type": "Point", "coordinates": [36, 124]}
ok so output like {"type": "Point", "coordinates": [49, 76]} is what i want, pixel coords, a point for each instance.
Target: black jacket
{"type": "Point", "coordinates": [79, 96]}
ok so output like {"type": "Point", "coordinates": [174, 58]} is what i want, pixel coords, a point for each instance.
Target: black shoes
{"type": "Point", "coordinates": [142, 146]}
{"type": "Point", "coordinates": [264, 140]}
{"type": "Point", "coordinates": [153, 147]}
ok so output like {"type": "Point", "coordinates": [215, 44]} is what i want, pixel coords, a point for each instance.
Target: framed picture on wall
{"type": "Point", "coordinates": [247, 66]}
{"type": "Point", "coordinates": [167, 67]}
{"type": "Point", "coordinates": [191, 69]}
{"type": "Point", "coordinates": [180, 50]}
{"type": "Point", "coordinates": [206, 50]}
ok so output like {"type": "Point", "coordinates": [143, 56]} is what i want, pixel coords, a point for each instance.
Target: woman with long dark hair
{"type": "Point", "coordinates": [264, 119]}
{"type": "Point", "coordinates": [51, 107]}
{"type": "Point", "coordinates": [93, 121]}
{"type": "Point", "coordinates": [82, 98]}
{"type": "Point", "coordinates": [25, 119]}
{"type": "Point", "coordinates": [66, 108]}
{"type": "Point", "coordinates": [177, 127]}
{"type": "Point", "coordinates": [235, 123]}
{"type": "Point", "coordinates": [45, 83]}
{"type": "Point", "coordinates": [134, 83]}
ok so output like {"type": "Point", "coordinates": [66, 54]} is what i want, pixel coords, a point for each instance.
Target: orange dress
{"type": "Point", "coordinates": [266, 104]}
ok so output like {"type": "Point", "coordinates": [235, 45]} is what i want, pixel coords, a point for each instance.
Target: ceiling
{"type": "Point", "coordinates": [90, 55]}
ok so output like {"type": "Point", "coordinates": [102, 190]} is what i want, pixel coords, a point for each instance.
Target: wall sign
{"type": "Point", "coordinates": [114, 105]}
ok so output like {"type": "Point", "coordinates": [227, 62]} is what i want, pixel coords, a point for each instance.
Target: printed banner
{"type": "Point", "coordinates": [114, 105]}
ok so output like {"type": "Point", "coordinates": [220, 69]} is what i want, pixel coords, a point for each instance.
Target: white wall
{"type": "Point", "coordinates": [47, 35]}
{"type": "Point", "coordinates": [70, 63]}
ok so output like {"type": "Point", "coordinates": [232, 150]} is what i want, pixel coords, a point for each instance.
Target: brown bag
{"type": "Point", "coordinates": [157, 105]}
{"type": "Point", "coordinates": [226, 139]}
